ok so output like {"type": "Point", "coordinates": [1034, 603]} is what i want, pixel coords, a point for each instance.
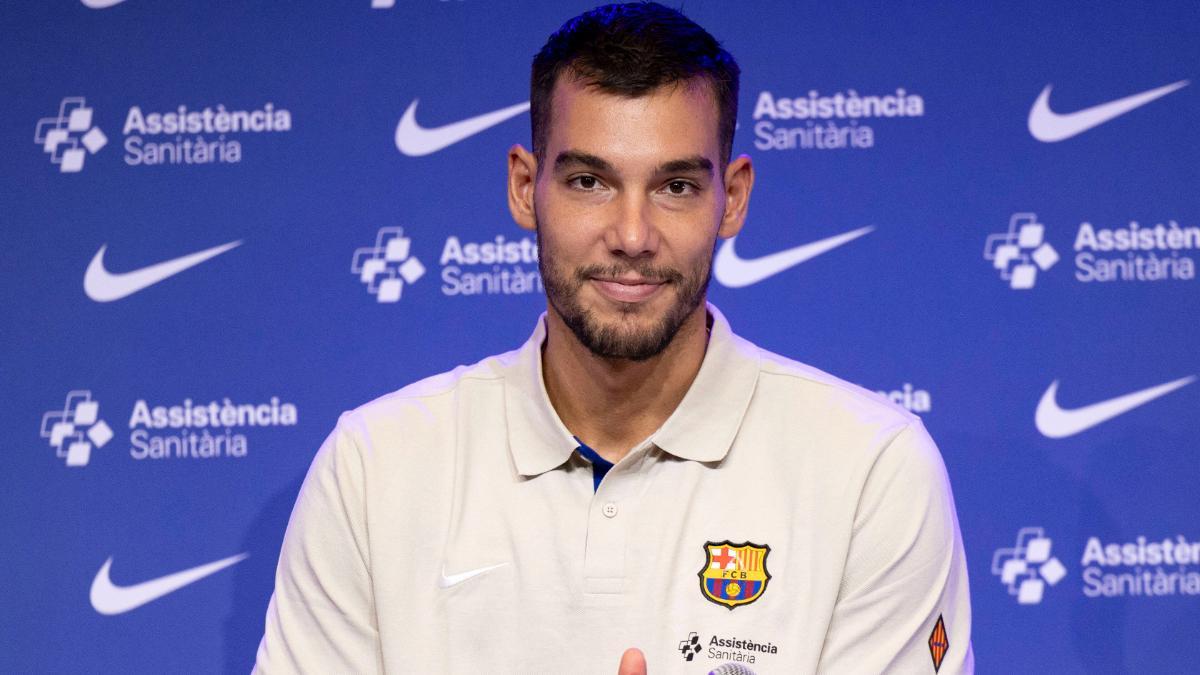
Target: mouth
{"type": "Point", "coordinates": [630, 289]}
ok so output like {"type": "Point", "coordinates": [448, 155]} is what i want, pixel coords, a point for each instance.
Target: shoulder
{"type": "Point", "coordinates": [821, 394]}
{"type": "Point", "coordinates": [425, 413]}
{"type": "Point", "coordinates": [432, 392]}
{"type": "Point", "coordinates": [838, 428]}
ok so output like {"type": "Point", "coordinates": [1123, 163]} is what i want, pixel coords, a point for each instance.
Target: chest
{"type": "Point", "coordinates": [697, 566]}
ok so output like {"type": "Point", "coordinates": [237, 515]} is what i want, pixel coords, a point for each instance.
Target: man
{"type": "Point", "coordinates": [635, 484]}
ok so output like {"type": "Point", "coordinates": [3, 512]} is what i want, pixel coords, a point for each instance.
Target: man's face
{"type": "Point", "coordinates": [628, 201]}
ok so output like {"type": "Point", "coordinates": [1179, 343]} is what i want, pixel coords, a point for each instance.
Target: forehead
{"type": "Point", "coordinates": [670, 122]}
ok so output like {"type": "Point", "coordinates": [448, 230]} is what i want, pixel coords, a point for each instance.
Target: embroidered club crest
{"type": "Point", "coordinates": [734, 574]}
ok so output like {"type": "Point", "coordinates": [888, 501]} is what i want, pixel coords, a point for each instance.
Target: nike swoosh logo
{"type": "Point", "coordinates": [1050, 127]}
{"type": "Point", "coordinates": [104, 286]}
{"type": "Point", "coordinates": [415, 141]}
{"type": "Point", "coordinates": [1055, 422]}
{"type": "Point", "coordinates": [736, 272]}
{"type": "Point", "coordinates": [448, 580]}
{"type": "Point", "coordinates": [108, 598]}
{"type": "Point", "coordinates": [100, 4]}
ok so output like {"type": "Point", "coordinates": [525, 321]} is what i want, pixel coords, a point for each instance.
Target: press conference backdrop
{"type": "Point", "coordinates": [226, 223]}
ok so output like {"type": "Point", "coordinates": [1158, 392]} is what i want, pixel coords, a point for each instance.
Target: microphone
{"type": "Point", "coordinates": [731, 669]}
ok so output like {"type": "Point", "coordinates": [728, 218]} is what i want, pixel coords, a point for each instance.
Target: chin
{"type": "Point", "coordinates": [634, 336]}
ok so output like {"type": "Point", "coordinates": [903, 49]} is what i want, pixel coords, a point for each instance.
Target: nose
{"type": "Point", "coordinates": [633, 232]}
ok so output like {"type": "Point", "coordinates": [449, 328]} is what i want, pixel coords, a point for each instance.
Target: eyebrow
{"type": "Point", "coordinates": [569, 157]}
{"type": "Point", "coordinates": [695, 164]}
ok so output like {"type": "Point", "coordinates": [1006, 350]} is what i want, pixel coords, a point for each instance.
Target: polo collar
{"type": "Point", "coordinates": [701, 429]}
{"type": "Point", "coordinates": [703, 426]}
{"type": "Point", "coordinates": [537, 438]}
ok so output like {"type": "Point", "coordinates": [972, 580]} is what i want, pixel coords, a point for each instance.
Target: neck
{"type": "Point", "coordinates": [613, 404]}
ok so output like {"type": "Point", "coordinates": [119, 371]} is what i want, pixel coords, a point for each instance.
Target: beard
{"type": "Point", "coordinates": [623, 338]}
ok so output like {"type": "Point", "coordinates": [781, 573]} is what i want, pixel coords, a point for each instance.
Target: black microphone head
{"type": "Point", "coordinates": [731, 669]}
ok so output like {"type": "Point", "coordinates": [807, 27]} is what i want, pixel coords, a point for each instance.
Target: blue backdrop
{"type": "Point", "coordinates": [1022, 276]}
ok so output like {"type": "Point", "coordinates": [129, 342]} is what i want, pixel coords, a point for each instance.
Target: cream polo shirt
{"type": "Point", "coordinates": [780, 519]}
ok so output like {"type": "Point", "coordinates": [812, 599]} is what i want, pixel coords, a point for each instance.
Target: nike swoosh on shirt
{"type": "Point", "coordinates": [736, 272]}
{"type": "Point", "coordinates": [414, 140]}
{"type": "Point", "coordinates": [104, 286]}
{"type": "Point", "coordinates": [448, 580]}
{"type": "Point", "coordinates": [1055, 422]}
{"type": "Point", "coordinates": [1050, 127]}
{"type": "Point", "coordinates": [108, 598]}
{"type": "Point", "coordinates": [100, 4]}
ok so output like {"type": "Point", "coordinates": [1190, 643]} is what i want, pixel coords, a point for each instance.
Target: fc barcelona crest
{"type": "Point", "coordinates": [734, 574]}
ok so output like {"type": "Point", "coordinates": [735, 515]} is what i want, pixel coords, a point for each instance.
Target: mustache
{"type": "Point", "coordinates": [644, 270]}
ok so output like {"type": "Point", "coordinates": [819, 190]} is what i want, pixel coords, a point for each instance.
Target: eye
{"type": "Point", "coordinates": [584, 182]}
{"type": "Point", "coordinates": [681, 188]}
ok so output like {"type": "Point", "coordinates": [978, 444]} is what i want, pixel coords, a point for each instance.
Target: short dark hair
{"type": "Point", "coordinates": [631, 49]}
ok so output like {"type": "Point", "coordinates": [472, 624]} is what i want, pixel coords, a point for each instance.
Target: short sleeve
{"type": "Point", "coordinates": [321, 617]}
{"type": "Point", "coordinates": [904, 602]}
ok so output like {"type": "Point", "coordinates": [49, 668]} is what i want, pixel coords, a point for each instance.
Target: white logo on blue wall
{"type": "Point", "coordinates": [499, 266]}
{"type": "Point", "coordinates": [1131, 252]}
{"type": "Point", "coordinates": [191, 430]}
{"type": "Point", "coordinates": [75, 429]}
{"type": "Point", "coordinates": [414, 140]}
{"type": "Point", "coordinates": [734, 271]}
{"type": "Point", "coordinates": [1050, 127]}
{"type": "Point", "coordinates": [1027, 567]}
{"type": "Point", "coordinates": [1135, 252]}
{"type": "Point", "coordinates": [1054, 421]}
{"type": "Point", "coordinates": [209, 135]}
{"type": "Point", "coordinates": [110, 599]}
{"type": "Point", "coordinates": [1021, 252]}
{"type": "Point", "coordinates": [828, 122]}
{"type": "Point", "coordinates": [375, 4]}
{"type": "Point", "coordinates": [70, 136]}
{"type": "Point", "coordinates": [387, 266]}
{"type": "Point", "coordinates": [1137, 566]}
{"type": "Point", "coordinates": [182, 135]}
{"type": "Point", "coordinates": [1141, 567]}
{"type": "Point", "coordinates": [909, 397]}
{"type": "Point", "coordinates": [496, 266]}
{"type": "Point", "coordinates": [102, 285]}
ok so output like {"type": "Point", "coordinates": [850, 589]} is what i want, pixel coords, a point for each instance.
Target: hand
{"type": "Point", "coordinates": [633, 662]}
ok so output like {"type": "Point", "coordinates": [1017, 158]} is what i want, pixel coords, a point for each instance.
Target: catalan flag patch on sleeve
{"type": "Point", "coordinates": [939, 644]}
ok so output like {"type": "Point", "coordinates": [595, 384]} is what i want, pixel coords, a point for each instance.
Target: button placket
{"type": "Point", "coordinates": [608, 528]}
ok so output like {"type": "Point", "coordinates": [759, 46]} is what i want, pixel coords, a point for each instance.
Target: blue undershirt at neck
{"type": "Point", "coordinates": [600, 466]}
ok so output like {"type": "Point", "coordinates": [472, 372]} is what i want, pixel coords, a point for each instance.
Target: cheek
{"type": "Point", "coordinates": [558, 246]}
{"type": "Point", "coordinates": [692, 237]}
{"type": "Point", "coordinates": [566, 228]}
{"type": "Point", "coordinates": [704, 256]}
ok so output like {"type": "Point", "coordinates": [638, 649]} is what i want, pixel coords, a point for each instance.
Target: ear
{"type": "Point", "coordinates": [739, 181]}
{"type": "Point", "coordinates": [522, 175]}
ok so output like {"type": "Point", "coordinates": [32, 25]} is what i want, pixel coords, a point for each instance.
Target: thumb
{"type": "Point", "coordinates": [633, 662]}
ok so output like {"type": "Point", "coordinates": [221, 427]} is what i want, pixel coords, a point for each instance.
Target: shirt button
{"type": "Point", "coordinates": [609, 510]}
